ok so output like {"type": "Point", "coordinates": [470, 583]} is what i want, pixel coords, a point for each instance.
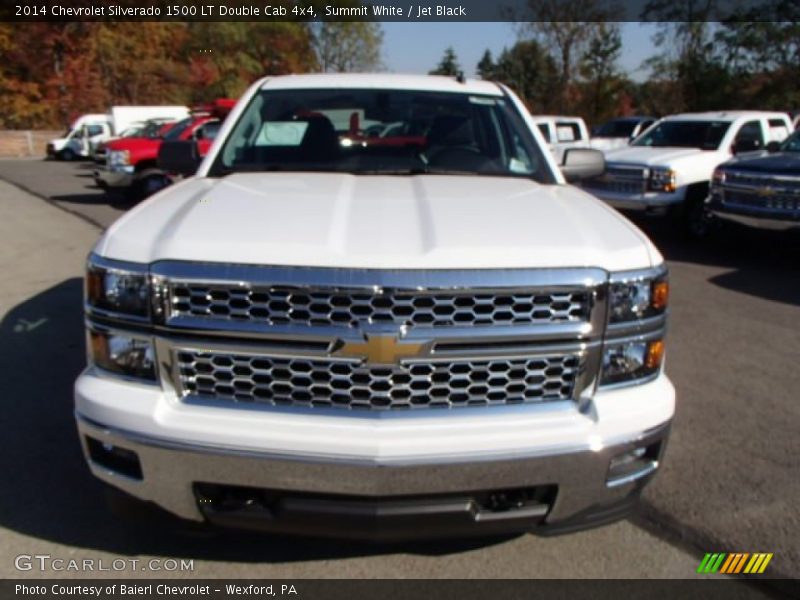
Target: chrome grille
{"type": "Point", "coordinates": [754, 200]}
{"type": "Point", "coordinates": [620, 179]}
{"type": "Point", "coordinates": [287, 305]}
{"type": "Point", "coordinates": [349, 384]}
{"type": "Point", "coordinates": [788, 184]}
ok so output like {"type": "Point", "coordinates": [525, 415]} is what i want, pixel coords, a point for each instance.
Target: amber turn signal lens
{"type": "Point", "coordinates": [655, 354]}
{"type": "Point", "coordinates": [99, 346]}
{"type": "Point", "coordinates": [94, 286]}
{"type": "Point", "coordinates": [660, 295]}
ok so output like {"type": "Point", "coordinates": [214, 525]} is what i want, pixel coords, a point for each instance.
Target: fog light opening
{"type": "Point", "coordinates": [118, 460]}
{"type": "Point", "coordinates": [633, 464]}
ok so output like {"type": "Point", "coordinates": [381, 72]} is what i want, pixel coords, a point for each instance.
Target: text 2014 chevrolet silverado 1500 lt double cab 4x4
{"type": "Point", "coordinates": [377, 310]}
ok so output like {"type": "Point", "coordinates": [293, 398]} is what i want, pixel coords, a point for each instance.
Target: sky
{"type": "Point", "coordinates": [418, 47]}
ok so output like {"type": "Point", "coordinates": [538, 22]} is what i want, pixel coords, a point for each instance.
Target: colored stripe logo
{"type": "Point", "coordinates": [735, 562]}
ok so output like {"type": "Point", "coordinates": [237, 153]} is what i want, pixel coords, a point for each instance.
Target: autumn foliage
{"type": "Point", "coordinates": [52, 72]}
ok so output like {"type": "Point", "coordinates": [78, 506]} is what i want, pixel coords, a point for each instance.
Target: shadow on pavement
{"type": "Point", "coordinates": [97, 196]}
{"type": "Point", "coordinates": [48, 492]}
{"type": "Point", "coordinates": [763, 263]}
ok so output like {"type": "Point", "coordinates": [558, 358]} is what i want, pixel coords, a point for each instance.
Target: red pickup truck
{"type": "Point", "coordinates": [131, 162]}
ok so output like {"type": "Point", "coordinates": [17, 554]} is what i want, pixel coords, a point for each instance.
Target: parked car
{"type": "Point", "coordinates": [562, 132]}
{"type": "Point", "coordinates": [619, 132]}
{"type": "Point", "coordinates": [131, 163]}
{"type": "Point", "coordinates": [669, 167]}
{"type": "Point", "coordinates": [403, 323]}
{"type": "Point", "coordinates": [66, 147]}
{"type": "Point", "coordinates": [761, 191]}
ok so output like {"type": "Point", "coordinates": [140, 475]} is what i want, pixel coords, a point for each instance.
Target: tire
{"type": "Point", "coordinates": [697, 223]}
{"type": "Point", "coordinates": [67, 155]}
{"type": "Point", "coordinates": [147, 184]}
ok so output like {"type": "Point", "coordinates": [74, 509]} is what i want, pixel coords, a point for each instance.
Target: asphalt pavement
{"type": "Point", "coordinates": [729, 481]}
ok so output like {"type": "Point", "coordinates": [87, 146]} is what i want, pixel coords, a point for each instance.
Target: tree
{"type": "Point", "coordinates": [688, 57]}
{"type": "Point", "coordinates": [486, 66]}
{"type": "Point", "coordinates": [564, 28]}
{"type": "Point", "coordinates": [603, 82]}
{"type": "Point", "coordinates": [347, 46]}
{"type": "Point", "coordinates": [530, 72]}
{"type": "Point", "coordinates": [448, 65]}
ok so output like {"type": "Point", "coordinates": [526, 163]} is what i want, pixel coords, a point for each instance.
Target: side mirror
{"type": "Point", "coordinates": [181, 157]}
{"type": "Point", "coordinates": [773, 147]}
{"type": "Point", "coordinates": [582, 163]}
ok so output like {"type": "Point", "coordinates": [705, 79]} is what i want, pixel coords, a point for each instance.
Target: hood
{"type": "Point", "coordinates": [398, 222]}
{"type": "Point", "coordinates": [131, 143]}
{"type": "Point", "coordinates": [644, 155]}
{"type": "Point", "coordinates": [780, 163]}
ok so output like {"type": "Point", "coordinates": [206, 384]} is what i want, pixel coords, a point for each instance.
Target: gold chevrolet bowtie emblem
{"type": "Point", "coordinates": [380, 349]}
{"type": "Point", "coordinates": [766, 191]}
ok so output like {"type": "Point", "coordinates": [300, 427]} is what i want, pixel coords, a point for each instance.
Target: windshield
{"type": "Point", "coordinates": [176, 130]}
{"type": "Point", "coordinates": [705, 135]}
{"type": "Point", "coordinates": [616, 129]}
{"type": "Point", "coordinates": [792, 143]}
{"type": "Point", "coordinates": [365, 131]}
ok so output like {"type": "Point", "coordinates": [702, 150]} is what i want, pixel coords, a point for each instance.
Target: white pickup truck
{"type": "Point", "coordinates": [562, 132]}
{"type": "Point", "coordinates": [670, 165]}
{"type": "Point", "coordinates": [343, 328]}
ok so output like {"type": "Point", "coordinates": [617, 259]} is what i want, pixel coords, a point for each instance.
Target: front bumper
{"type": "Point", "coordinates": [645, 202]}
{"type": "Point", "coordinates": [383, 493]}
{"type": "Point", "coordinates": [114, 177]}
{"type": "Point", "coordinates": [764, 218]}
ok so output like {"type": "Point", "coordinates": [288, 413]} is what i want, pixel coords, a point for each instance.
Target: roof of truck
{"type": "Point", "coordinates": [727, 115]}
{"type": "Point", "coordinates": [433, 83]}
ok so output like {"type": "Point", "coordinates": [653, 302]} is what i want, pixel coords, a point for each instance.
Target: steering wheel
{"type": "Point", "coordinates": [457, 157]}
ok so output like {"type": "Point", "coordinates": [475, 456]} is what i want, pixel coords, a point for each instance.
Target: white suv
{"type": "Point", "coordinates": [671, 164]}
{"type": "Point", "coordinates": [377, 310]}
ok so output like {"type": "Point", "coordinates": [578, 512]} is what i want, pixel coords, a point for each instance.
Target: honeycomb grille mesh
{"type": "Point", "coordinates": [301, 306]}
{"type": "Point", "coordinates": [352, 385]}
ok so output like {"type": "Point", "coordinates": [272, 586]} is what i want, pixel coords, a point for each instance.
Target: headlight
{"type": "Point", "coordinates": [119, 158]}
{"type": "Point", "coordinates": [662, 179]}
{"type": "Point", "coordinates": [718, 178]}
{"type": "Point", "coordinates": [120, 288]}
{"type": "Point", "coordinates": [123, 354]}
{"type": "Point", "coordinates": [631, 360]}
{"type": "Point", "coordinates": [637, 297]}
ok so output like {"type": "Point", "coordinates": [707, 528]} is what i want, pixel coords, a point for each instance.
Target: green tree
{"type": "Point", "coordinates": [603, 81]}
{"type": "Point", "coordinates": [564, 28]}
{"type": "Point", "coordinates": [531, 73]}
{"type": "Point", "coordinates": [448, 65]}
{"type": "Point", "coordinates": [347, 46]}
{"type": "Point", "coordinates": [486, 67]}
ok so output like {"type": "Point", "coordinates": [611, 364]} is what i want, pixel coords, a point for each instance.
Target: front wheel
{"type": "Point", "coordinates": [698, 221]}
{"type": "Point", "coordinates": [67, 155]}
{"type": "Point", "coordinates": [147, 185]}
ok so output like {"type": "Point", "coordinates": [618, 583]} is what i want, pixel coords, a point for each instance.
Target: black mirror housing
{"type": "Point", "coordinates": [773, 147]}
{"type": "Point", "coordinates": [582, 163]}
{"type": "Point", "coordinates": [180, 157]}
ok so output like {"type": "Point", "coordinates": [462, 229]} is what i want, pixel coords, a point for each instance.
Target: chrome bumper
{"type": "Point", "coordinates": [368, 500]}
{"type": "Point", "coordinates": [107, 178]}
{"type": "Point", "coordinates": [764, 219]}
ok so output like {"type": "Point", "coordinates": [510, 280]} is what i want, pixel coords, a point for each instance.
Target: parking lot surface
{"type": "Point", "coordinates": [729, 481]}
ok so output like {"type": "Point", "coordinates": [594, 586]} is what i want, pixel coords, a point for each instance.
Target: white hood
{"type": "Point", "coordinates": [664, 157]}
{"type": "Point", "coordinates": [400, 222]}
